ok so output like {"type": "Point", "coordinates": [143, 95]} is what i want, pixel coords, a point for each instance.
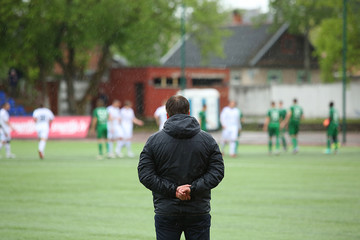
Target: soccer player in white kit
{"type": "Point", "coordinates": [127, 122]}
{"type": "Point", "coordinates": [160, 116]}
{"type": "Point", "coordinates": [43, 118]}
{"type": "Point", "coordinates": [5, 130]}
{"type": "Point", "coordinates": [230, 119]}
{"type": "Point", "coordinates": [114, 128]}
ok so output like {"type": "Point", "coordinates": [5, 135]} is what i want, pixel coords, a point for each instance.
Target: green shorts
{"type": "Point", "coordinates": [273, 131]}
{"type": "Point", "coordinates": [293, 128]}
{"type": "Point", "coordinates": [101, 131]}
{"type": "Point", "coordinates": [332, 130]}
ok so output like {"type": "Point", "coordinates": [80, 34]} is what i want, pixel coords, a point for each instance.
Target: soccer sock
{"type": "Point", "coordinates": [277, 143]}
{"type": "Point", "coordinates": [270, 145]}
{"type": "Point", "coordinates": [1, 145]}
{"type": "Point", "coordinates": [336, 143]}
{"type": "Point", "coordinates": [328, 143]}
{"type": "Point", "coordinates": [42, 144]}
{"type": "Point", "coordinates": [283, 141]}
{"type": "Point", "coordinates": [110, 147]}
{"type": "Point", "coordinates": [100, 148]}
{"type": "Point", "coordinates": [232, 147]}
{"type": "Point", "coordinates": [119, 146]}
{"type": "Point", "coordinates": [294, 142]}
{"type": "Point", "coordinates": [7, 148]}
{"type": "Point", "coordinates": [107, 147]}
{"type": "Point", "coordinates": [128, 146]}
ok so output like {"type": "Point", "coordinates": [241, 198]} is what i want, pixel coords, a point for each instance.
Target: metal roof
{"type": "Point", "coordinates": [245, 47]}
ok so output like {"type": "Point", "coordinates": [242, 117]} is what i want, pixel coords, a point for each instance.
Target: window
{"type": "Point", "coordinates": [301, 78]}
{"type": "Point", "coordinates": [165, 82]}
{"type": "Point", "coordinates": [206, 81]}
{"type": "Point", "coordinates": [157, 82]}
{"type": "Point", "coordinates": [235, 77]}
{"type": "Point", "coordinates": [274, 76]}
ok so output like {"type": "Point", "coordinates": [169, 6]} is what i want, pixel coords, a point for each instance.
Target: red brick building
{"type": "Point", "coordinates": [147, 87]}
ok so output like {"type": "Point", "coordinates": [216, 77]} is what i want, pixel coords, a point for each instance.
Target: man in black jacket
{"type": "Point", "coordinates": [180, 165]}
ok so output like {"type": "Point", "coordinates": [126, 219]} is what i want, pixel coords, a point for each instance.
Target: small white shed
{"type": "Point", "coordinates": [197, 98]}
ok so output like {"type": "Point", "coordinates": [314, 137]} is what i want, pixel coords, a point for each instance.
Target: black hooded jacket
{"type": "Point", "coordinates": [181, 154]}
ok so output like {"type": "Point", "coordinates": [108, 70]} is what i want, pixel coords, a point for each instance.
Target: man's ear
{"type": "Point", "coordinates": [167, 115]}
{"type": "Point", "coordinates": [189, 113]}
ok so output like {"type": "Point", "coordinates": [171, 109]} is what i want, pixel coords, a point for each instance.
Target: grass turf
{"type": "Point", "coordinates": [71, 195]}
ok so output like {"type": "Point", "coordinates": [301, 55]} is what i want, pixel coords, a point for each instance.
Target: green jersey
{"type": "Point", "coordinates": [274, 116]}
{"type": "Point", "coordinates": [101, 115]}
{"type": "Point", "coordinates": [334, 116]}
{"type": "Point", "coordinates": [202, 116]}
{"type": "Point", "coordinates": [296, 113]}
{"type": "Point", "coordinates": [282, 113]}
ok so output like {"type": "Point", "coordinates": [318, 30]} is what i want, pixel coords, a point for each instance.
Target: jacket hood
{"type": "Point", "coordinates": [181, 126]}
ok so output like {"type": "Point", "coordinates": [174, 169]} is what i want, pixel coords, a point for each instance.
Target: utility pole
{"type": "Point", "coordinates": [183, 52]}
{"type": "Point", "coordinates": [344, 70]}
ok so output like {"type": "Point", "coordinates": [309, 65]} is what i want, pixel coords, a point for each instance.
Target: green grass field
{"type": "Point", "coordinates": [71, 195]}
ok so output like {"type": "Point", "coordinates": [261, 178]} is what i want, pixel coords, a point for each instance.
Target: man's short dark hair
{"type": "Point", "coordinates": [177, 105]}
{"type": "Point", "coordinates": [295, 100]}
{"type": "Point", "coordinates": [331, 104]}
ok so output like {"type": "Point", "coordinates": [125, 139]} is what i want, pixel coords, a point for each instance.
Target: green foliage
{"type": "Point", "coordinates": [206, 29]}
{"type": "Point", "coordinates": [36, 34]}
{"type": "Point", "coordinates": [330, 40]}
{"type": "Point", "coordinates": [71, 195]}
{"type": "Point", "coordinates": [142, 31]}
{"type": "Point", "coordinates": [325, 18]}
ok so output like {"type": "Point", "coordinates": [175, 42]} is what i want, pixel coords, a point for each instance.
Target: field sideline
{"type": "Point", "coordinates": [71, 195]}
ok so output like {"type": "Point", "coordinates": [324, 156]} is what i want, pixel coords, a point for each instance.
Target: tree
{"type": "Point", "coordinates": [322, 18]}
{"type": "Point", "coordinates": [328, 40]}
{"type": "Point", "coordinates": [65, 32]}
{"type": "Point", "coordinates": [302, 16]}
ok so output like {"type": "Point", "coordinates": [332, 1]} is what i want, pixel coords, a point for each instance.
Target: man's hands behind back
{"type": "Point", "coordinates": [183, 192]}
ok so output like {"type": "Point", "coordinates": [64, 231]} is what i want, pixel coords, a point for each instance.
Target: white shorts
{"type": "Point", "coordinates": [42, 130]}
{"type": "Point", "coordinates": [5, 135]}
{"type": "Point", "coordinates": [127, 130]}
{"type": "Point", "coordinates": [115, 132]}
{"type": "Point", "coordinates": [230, 134]}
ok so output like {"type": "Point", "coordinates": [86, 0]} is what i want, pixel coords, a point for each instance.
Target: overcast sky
{"type": "Point", "coordinates": [246, 4]}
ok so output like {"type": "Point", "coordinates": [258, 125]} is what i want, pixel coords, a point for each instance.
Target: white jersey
{"type": "Point", "coordinates": [230, 117]}
{"type": "Point", "coordinates": [114, 115]}
{"type": "Point", "coordinates": [113, 124]}
{"type": "Point", "coordinates": [230, 120]}
{"type": "Point", "coordinates": [4, 121]}
{"type": "Point", "coordinates": [161, 114]}
{"type": "Point", "coordinates": [127, 117]}
{"type": "Point", "coordinates": [43, 117]}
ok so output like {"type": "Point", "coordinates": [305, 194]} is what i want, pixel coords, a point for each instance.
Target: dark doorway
{"type": "Point", "coordinates": [139, 98]}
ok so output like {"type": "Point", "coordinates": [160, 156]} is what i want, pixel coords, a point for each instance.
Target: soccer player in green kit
{"type": "Point", "coordinates": [202, 118]}
{"type": "Point", "coordinates": [100, 118]}
{"type": "Point", "coordinates": [332, 129]}
{"type": "Point", "coordinates": [272, 125]}
{"type": "Point", "coordinates": [293, 117]}
{"type": "Point", "coordinates": [282, 112]}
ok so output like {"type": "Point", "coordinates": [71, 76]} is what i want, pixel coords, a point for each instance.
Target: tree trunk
{"type": "Point", "coordinates": [307, 57]}
{"type": "Point", "coordinates": [42, 76]}
{"type": "Point", "coordinates": [69, 75]}
{"type": "Point", "coordinates": [92, 88]}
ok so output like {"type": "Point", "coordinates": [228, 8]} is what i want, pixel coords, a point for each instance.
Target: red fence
{"type": "Point", "coordinates": [61, 127]}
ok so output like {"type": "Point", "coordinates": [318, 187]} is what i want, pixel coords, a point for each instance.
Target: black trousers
{"type": "Point", "coordinates": [171, 227]}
